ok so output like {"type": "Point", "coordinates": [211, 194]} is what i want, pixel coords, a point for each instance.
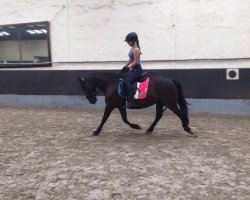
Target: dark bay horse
{"type": "Point", "coordinates": [163, 92]}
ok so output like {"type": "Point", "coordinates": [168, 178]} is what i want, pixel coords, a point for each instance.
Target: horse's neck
{"type": "Point", "coordinates": [103, 83]}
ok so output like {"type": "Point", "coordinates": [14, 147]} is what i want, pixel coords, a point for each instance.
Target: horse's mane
{"type": "Point", "coordinates": [107, 76]}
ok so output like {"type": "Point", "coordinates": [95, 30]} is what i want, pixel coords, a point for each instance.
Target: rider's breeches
{"type": "Point", "coordinates": [135, 73]}
{"type": "Point", "coordinates": [132, 77]}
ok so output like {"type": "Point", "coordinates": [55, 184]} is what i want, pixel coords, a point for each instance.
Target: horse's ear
{"type": "Point", "coordinates": [81, 79]}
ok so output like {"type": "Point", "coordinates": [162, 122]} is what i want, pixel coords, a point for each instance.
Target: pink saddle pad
{"type": "Point", "coordinates": [142, 89]}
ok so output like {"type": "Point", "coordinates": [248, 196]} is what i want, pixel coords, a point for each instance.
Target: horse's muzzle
{"type": "Point", "coordinates": [92, 101]}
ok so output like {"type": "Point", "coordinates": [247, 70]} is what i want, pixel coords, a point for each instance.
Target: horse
{"type": "Point", "coordinates": [163, 92]}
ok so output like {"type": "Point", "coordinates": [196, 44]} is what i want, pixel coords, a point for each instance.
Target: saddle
{"type": "Point", "coordinates": [139, 88]}
{"type": "Point", "coordinates": [142, 77]}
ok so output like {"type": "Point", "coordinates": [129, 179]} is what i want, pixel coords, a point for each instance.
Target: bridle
{"type": "Point", "coordinates": [90, 94]}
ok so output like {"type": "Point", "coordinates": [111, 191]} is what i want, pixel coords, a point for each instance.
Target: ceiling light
{"type": "Point", "coordinates": [31, 32]}
{"type": "Point", "coordinates": [5, 33]}
{"type": "Point", "coordinates": [44, 30]}
{"type": "Point", "coordinates": [38, 31]}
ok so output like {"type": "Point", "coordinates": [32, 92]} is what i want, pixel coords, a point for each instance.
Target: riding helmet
{"type": "Point", "coordinates": [131, 37]}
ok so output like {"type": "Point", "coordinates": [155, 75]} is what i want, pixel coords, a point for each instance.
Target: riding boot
{"type": "Point", "coordinates": [131, 101]}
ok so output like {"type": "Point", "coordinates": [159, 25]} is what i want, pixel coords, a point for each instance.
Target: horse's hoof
{"type": "Point", "coordinates": [192, 133]}
{"type": "Point", "coordinates": [148, 132]}
{"type": "Point", "coordinates": [95, 133]}
{"type": "Point", "coordinates": [136, 126]}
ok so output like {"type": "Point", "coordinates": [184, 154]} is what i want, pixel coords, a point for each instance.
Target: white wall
{"type": "Point", "coordinates": [212, 29]}
{"type": "Point", "coordinates": [84, 30]}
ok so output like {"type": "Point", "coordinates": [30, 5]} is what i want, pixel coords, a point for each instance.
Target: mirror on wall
{"type": "Point", "coordinates": [25, 45]}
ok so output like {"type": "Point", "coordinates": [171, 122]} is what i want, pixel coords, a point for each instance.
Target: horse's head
{"type": "Point", "coordinates": [89, 90]}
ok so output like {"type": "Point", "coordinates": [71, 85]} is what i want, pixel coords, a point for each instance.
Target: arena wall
{"type": "Point", "coordinates": [205, 44]}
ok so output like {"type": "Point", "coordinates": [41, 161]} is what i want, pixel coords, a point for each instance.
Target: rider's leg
{"type": "Point", "coordinates": [130, 79]}
{"type": "Point", "coordinates": [130, 90]}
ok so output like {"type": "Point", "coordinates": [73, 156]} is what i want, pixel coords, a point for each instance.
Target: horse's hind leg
{"type": "Point", "coordinates": [123, 112]}
{"type": "Point", "coordinates": [159, 112]}
{"type": "Point", "coordinates": [183, 117]}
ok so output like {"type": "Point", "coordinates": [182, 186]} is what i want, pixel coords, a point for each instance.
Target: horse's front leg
{"type": "Point", "coordinates": [123, 112]}
{"type": "Point", "coordinates": [107, 112]}
{"type": "Point", "coordinates": [159, 112]}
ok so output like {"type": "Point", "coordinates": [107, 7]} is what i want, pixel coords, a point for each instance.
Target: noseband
{"type": "Point", "coordinates": [91, 94]}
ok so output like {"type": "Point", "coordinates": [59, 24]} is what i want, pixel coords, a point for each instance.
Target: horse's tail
{"type": "Point", "coordinates": [183, 104]}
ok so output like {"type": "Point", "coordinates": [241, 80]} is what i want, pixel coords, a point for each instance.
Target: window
{"type": "Point", "coordinates": [24, 45]}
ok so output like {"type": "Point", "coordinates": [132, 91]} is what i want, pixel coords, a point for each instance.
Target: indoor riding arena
{"type": "Point", "coordinates": [47, 153]}
{"type": "Point", "coordinates": [61, 64]}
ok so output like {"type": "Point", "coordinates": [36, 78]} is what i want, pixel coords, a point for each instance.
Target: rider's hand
{"type": "Point", "coordinates": [125, 69]}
